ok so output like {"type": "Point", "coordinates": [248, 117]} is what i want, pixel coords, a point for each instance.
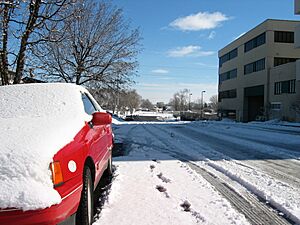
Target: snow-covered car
{"type": "Point", "coordinates": [55, 145]}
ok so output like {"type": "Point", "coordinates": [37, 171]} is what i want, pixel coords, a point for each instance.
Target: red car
{"type": "Point", "coordinates": [76, 167]}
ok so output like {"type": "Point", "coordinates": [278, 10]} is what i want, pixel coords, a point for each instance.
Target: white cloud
{"type": "Point", "coordinates": [199, 21]}
{"type": "Point", "coordinates": [160, 71]}
{"type": "Point", "coordinates": [212, 35]}
{"type": "Point", "coordinates": [191, 50]}
{"type": "Point", "coordinates": [206, 65]}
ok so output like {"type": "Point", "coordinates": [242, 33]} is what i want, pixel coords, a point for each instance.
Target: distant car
{"type": "Point", "coordinates": [55, 144]}
{"type": "Point", "coordinates": [129, 118]}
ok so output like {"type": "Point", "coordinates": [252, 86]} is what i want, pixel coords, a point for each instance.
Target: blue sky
{"type": "Point", "coordinates": [181, 39]}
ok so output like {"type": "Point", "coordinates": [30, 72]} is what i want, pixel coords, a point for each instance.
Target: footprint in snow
{"type": "Point", "coordinates": [152, 167]}
{"type": "Point", "coordinates": [164, 179]}
{"type": "Point", "coordinates": [161, 188]}
{"type": "Point", "coordinates": [187, 208]}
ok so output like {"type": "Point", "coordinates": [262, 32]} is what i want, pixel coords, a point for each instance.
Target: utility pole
{"type": "Point", "coordinates": [190, 101]}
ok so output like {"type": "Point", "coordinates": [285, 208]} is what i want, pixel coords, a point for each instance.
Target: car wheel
{"type": "Point", "coordinates": [84, 215]}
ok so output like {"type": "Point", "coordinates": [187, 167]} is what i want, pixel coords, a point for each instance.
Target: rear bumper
{"type": "Point", "coordinates": [54, 215]}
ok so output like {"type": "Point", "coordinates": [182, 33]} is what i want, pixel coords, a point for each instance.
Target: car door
{"type": "Point", "coordinates": [96, 139]}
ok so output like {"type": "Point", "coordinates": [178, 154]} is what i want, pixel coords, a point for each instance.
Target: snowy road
{"type": "Point", "coordinates": [206, 173]}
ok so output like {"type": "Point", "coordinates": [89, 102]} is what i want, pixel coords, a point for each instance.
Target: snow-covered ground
{"type": "Point", "coordinates": [162, 180]}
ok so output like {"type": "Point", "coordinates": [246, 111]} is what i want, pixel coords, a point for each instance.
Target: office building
{"type": "Point", "coordinates": [259, 75]}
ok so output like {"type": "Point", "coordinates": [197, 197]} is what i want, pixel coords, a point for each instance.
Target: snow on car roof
{"type": "Point", "coordinates": [39, 100]}
{"type": "Point", "coordinates": [36, 121]}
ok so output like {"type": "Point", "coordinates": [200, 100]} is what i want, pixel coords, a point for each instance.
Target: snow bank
{"type": "Point", "coordinates": [36, 121]}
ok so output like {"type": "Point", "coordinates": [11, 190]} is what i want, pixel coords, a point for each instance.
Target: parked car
{"type": "Point", "coordinates": [55, 145]}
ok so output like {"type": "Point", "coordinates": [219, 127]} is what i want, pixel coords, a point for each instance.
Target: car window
{"type": "Point", "coordinates": [89, 108]}
{"type": "Point", "coordinates": [94, 102]}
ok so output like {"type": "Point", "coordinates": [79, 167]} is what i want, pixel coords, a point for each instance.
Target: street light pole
{"type": "Point", "coordinates": [202, 105]}
{"type": "Point", "coordinates": [190, 101]}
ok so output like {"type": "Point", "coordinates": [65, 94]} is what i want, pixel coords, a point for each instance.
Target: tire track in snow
{"type": "Point", "coordinates": [285, 172]}
{"type": "Point", "coordinates": [290, 149]}
{"type": "Point", "coordinates": [284, 129]}
{"type": "Point", "coordinates": [254, 210]}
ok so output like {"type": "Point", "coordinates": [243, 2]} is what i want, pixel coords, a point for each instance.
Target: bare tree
{"type": "Point", "coordinates": [23, 25]}
{"type": "Point", "coordinates": [214, 102]}
{"type": "Point", "coordinates": [5, 12]}
{"type": "Point", "coordinates": [146, 104]}
{"type": "Point", "coordinates": [121, 101]}
{"type": "Point", "coordinates": [107, 98]}
{"type": "Point", "coordinates": [180, 100]}
{"type": "Point", "coordinates": [130, 100]}
{"type": "Point", "coordinates": [98, 48]}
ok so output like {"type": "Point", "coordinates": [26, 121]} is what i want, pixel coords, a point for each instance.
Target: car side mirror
{"type": "Point", "coordinates": [101, 118]}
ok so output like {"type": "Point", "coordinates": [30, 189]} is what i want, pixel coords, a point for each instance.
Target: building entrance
{"type": "Point", "coordinates": [253, 103]}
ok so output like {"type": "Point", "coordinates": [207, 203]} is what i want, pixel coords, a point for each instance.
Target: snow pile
{"type": "Point", "coordinates": [115, 121]}
{"type": "Point", "coordinates": [36, 121]}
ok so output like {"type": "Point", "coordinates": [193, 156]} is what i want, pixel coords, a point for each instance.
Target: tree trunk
{"type": "Point", "coordinates": [4, 60]}
{"type": "Point", "coordinates": [35, 7]}
{"type": "Point", "coordinates": [21, 60]}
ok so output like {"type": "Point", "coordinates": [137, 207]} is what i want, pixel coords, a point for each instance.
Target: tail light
{"type": "Point", "coordinates": [57, 176]}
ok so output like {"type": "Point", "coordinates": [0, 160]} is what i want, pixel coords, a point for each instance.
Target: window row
{"type": "Point", "coordinates": [254, 66]}
{"type": "Point", "coordinates": [255, 42]}
{"type": "Point", "coordinates": [230, 55]}
{"type": "Point", "coordinates": [279, 36]}
{"type": "Point", "coordinates": [227, 94]}
{"type": "Point", "coordinates": [228, 75]}
{"type": "Point", "coordinates": [279, 61]}
{"type": "Point", "coordinates": [288, 86]}
{"type": "Point", "coordinates": [284, 36]}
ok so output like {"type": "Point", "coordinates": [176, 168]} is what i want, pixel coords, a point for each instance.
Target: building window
{"type": "Point", "coordinates": [279, 61]}
{"type": "Point", "coordinates": [255, 42]}
{"type": "Point", "coordinates": [292, 86]}
{"type": "Point", "coordinates": [228, 75]}
{"type": "Point", "coordinates": [227, 94]}
{"type": "Point", "coordinates": [230, 55]}
{"type": "Point", "coordinates": [255, 66]}
{"type": "Point", "coordinates": [287, 87]}
{"type": "Point", "coordinates": [277, 88]}
{"type": "Point", "coordinates": [284, 36]}
{"type": "Point", "coordinates": [276, 106]}
{"type": "Point", "coordinates": [259, 65]}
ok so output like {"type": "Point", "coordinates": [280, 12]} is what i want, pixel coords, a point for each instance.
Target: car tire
{"type": "Point", "coordinates": [84, 215]}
